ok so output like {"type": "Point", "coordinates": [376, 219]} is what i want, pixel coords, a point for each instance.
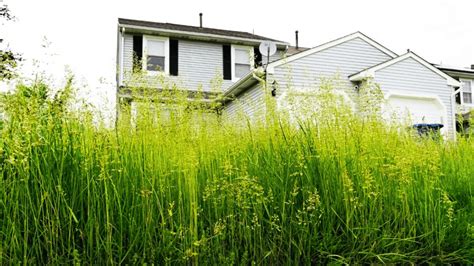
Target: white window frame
{"type": "Point", "coordinates": [462, 92]}
{"type": "Point", "coordinates": [166, 40]}
{"type": "Point", "coordinates": [232, 55]}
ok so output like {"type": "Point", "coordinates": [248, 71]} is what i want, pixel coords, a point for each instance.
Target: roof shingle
{"type": "Point", "coordinates": [194, 29]}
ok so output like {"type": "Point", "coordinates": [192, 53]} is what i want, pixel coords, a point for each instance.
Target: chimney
{"type": "Point", "coordinates": [296, 36]}
{"type": "Point", "coordinates": [200, 20]}
{"type": "Point", "coordinates": [472, 66]}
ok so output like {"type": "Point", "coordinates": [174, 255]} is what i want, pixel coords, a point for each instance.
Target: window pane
{"type": "Point", "coordinates": [156, 48]}
{"type": "Point", "coordinates": [466, 86]}
{"type": "Point", "coordinates": [155, 63]}
{"type": "Point", "coordinates": [467, 97]}
{"type": "Point", "coordinates": [242, 56]}
{"type": "Point", "coordinates": [241, 70]}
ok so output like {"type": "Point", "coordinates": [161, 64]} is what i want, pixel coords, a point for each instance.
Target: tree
{"type": "Point", "coordinates": [8, 59]}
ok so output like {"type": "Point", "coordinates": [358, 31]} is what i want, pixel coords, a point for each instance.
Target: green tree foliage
{"type": "Point", "coordinates": [8, 59]}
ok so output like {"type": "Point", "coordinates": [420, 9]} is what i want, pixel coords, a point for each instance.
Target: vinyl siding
{"type": "Point", "coordinates": [409, 76]}
{"type": "Point", "coordinates": [199, 63]}
{"type": "Point", "coordinates": [250, 105]}
{"type": "Point", "coordinates": [342, 60]}
{"type": "Point", "coordinates": [279, 54]}
{"type": "Point", "coordinates": [127, 54]}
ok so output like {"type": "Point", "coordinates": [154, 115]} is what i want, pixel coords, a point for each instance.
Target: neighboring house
{"type": "Point", "coordinates": [465, 98]}
{"type": "Point", "coordinates": [193, 57]}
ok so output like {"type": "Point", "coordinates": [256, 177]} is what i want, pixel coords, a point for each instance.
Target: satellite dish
{"type": "Point", "coordinates": [267, 48]}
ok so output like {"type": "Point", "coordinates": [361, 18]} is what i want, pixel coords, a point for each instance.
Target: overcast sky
{"type": "Point", "coordinates": [82, 34]}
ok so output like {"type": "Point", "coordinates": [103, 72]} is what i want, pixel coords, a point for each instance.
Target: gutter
{"type": "Point", "coordinates": [240, 86]}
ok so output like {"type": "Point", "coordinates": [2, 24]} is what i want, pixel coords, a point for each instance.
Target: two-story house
{"type": "Point", "coordinates": [193, 56]}
{"type": "Point", "coordinates": [190, 56]}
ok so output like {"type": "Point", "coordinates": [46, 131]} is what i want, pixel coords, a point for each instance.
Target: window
{"type": "Point", "coordinates": [156, 51]}
{"type": "Point", "coordinates": [242, 56]}
{"type": "Point", "coordinates": [467, 92]}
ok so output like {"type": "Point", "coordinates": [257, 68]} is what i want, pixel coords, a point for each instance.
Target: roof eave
{"type": "Point", "coordinates": [362, 76]}
{"type": "Point", "coordinates": [330, 44]}
{"type": "Point", "coordinates": [200, 36]}
{"type": "Point", "coordinates": [240, 86]}
{"type": "Point", "coordinates": [371, 72]}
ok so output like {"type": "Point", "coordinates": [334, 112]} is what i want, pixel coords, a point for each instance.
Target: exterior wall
{"type": "Point", "coordinates": [304, 74]}
{"type": "Point", "coordinates": [276, 56]}
{"type": "Point", "coordinates": [412, 78]}
{"type": "Point", "coordinates": [249, 105]}
{"type": "Point", "coordinates": [198, 64]}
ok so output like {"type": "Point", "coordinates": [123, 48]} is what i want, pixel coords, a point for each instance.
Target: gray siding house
{"type": "Point", "coordinates": [195, 57]}
{"type": "Point", "coordinates": [191, 57]}
{"type": "Point", "coordinates": [411, 86]}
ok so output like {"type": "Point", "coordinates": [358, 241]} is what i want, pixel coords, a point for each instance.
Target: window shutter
{"type": "Point", "coordinates": [257, 57]}
{"type": "Point", "coordinates": [227, 66]}
{"type": "Point", "coordinates": [173, 57]}
{"type": "Point", "coordinates": [137, 52]}
{"type": "Point", "coordinates": [458, 98]}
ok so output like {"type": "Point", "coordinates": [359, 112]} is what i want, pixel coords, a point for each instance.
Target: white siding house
{"type": "Point", "coordinates": [412, 87]}
{"type": "Point", "coordinates": [219, 61]}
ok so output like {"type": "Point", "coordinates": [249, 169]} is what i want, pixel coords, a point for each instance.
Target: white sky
{"type": "Point", "coordinates": [82, 34]}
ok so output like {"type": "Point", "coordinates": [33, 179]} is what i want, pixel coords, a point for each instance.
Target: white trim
{"type": "Point", "coordinates": [232, 56]}
{"type": "Point", "coordinates": [166, 51]}
{"type": "Point", "coordinates": [453, 113]}
{"type": "Point", "coordinates": [461, 80]}
{"type": "Point", "coordinates": [370, 73]}
{"type": "Point", "coordinates": [329, 45]}
{"type": "Point", "coordinates": [122, 43]}
{"type": "Point", "coordinates": [207, 35]}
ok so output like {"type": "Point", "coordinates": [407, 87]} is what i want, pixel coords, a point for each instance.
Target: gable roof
{"type": "Point", "coordinates": [330, 44]}
{"type": "Point", "coordinates": [170, 27]}
{"type": "Point", "coordinates": [370, 72]}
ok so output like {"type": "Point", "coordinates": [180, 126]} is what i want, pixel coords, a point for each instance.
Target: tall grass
{"type": "Point", "coordinates": [177, 186]}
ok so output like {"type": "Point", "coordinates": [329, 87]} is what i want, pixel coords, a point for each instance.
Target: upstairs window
{"type": "Point", "coordinates": [237, 61]}
{"type": "Point", "coordinates": [467, 92]}
{"type": "Point", "coordinates": [242, 62]}
{"type": "Point", "coordinates": [156, 50]}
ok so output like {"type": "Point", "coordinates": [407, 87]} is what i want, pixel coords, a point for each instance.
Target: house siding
{"type": "Point", "coordinates": [198, 64]}
{"type": "Point", "coordinates": [409, 76]}
{"type": "Point", "coordinates": [279, 54]}
{"type": "Point", "coordinates": [250, 104]}
{"type": "Point", "coordinates": [347, 58]}
{"type": "Point", "coordinates": [127, 54]}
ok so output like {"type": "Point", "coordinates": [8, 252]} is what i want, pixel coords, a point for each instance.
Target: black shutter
{"type": "Point", "coordinates": [137, 52]}
{"type": "Point", "coordinates": [257, 57]}
{"type": "Point", "coordinates": [173, 57]}
{"type": "Point", "coordinates": [227, 66]}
